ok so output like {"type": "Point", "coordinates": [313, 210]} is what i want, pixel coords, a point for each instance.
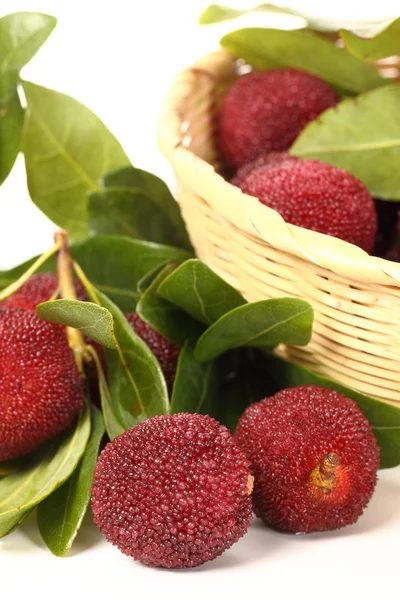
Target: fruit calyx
{"type": "Point", "coordinates": [250, 485]}
{"type": "Point", "coordinates": [324, 475]}
{"type": "Point", "coordinates": [66, 285]}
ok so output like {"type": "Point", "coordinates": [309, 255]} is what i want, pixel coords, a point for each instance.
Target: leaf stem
{"type": "Point", "coordinates": [67, 291]}
{"type": "Point", "coordinates": [13, 287]}
{"type": "Point", "coordinates": [86, 283]}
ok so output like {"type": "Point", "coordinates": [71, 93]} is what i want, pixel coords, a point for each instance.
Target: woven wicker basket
{"type": "Point", "coordinates": [356, 297]}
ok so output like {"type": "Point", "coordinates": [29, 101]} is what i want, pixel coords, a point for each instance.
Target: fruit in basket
{"type": "Point", "coordinates": [317, 196]}
{"type": "Point", "coordinates": [39, 288]}
{"type": "Point", "coordinates": [271, 159]}
{"type": "Point", "coordinates": [41, 389]}
{"type": "Point", "coordinates": [166, 352]}
{"type": "Point", "coordinates": [314, 458]}
{"type": "Point", "coordinates": [266, 110]}
{"type": "Point", "coordinates": [173, 491]}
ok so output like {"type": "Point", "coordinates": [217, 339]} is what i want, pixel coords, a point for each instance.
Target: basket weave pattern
{"type": "Point", "coordinates": [356, 297]}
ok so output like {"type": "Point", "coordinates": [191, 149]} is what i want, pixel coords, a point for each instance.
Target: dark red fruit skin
{"type": "Point", "coordinates": [266, 110]}
{"type": "Point", "coordinates": [172, 491]}
{"type": "Point", "coordinates": [286, 437]}
{"type": "Point", "coordinates": [41, 390]}
{"type": "Point", "coordinates": [166, 352]}
{"type": "Point", "coordinates": [317, 196]}
{"type": "Point", "coordinates": [271, 159]}
{"type": "Point", "coordinates": [39, 288]}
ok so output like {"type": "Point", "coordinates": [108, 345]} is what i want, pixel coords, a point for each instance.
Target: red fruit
{"type": "Point", "coordinates": [265, 160]}
{"type": "Point", "coordinates": [317, 196]}
{"type": "Point", "coordinates": [173, 491]}
{"type": "Point", "coordinates": [166, 352]}
{"type": "Point", "coordinates": [41, 390]}
{"type": "Point", "coordinates": [39, 288]}
{"type": "Point", "coordinates": [314, 459]}
{"type": "Point", "coordinates": [265, 111]}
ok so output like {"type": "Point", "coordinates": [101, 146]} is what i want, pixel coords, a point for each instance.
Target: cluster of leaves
{"type": "Point", "coordinates": [132, 253]}
{"type": "Point", "coordinates": [362, 133]}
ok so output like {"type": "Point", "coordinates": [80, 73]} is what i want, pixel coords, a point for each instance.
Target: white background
{"type": "Point", "coordinates": [118, 58]}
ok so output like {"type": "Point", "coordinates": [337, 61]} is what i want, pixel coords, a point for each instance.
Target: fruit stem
{"type": "Point", "coordinates": [326, 472]}
{"type": "Point", "coordinates": [86, 283]}
{"type": "Point", "coordinates": [66, 285]}
{"type": "Point", "coordinates": [13, 287]}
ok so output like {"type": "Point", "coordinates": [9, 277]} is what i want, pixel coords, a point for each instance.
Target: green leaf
{"type": "Point", "coordinates": [113, 426]}
{"type": "Point", "coordinates": [21, 36]}
{"type": "Point", "coordinates": [386, 43]}
{"type": "Point", "coordinates": [361, 135]}
{"type": "Point", "coordinates": [216, 13]}
{"type": "Point", "coordinates": [67, 149]}
{"type": "Point", "coordinates": [11, 275]}
{"type": "Point", "coordinates": [147, 279]}
{"type": "Point", "coordinates": [164, 317]}
{"type": "Point", "coordinates": [11, 122]}
{"type": "Point", "coordinates": [246, 381]}
{"type": "Point", "coordinates": [196, 384]}
{"type": "Point", "coordinates": [137, 388]}
{"type": "Point", "coordinates": [60, 515]}
{"type": "Point", "coordinates": [92, 320]}
{"type": "Point", "coordinates": [49, 468]}
{"type": "Point", "coordinates": [275, 48]}
{"type": "Point", "coordinates": [259, 324]}
{"type": "Point", "coordinates": [31, 267]}
{"type": "Point", "coordinates": [128, 212]}
{"type": "Point", "coordinates": [384, 418]}
{"type": "Point", "coordinates": [141, 205]}
{"type": "Point", "coordinates": [114, 263]}
{"type": "Point", "coordinates": [200, 292]}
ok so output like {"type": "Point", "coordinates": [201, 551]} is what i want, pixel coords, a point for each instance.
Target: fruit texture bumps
{"type": "Point", "coordinates": [37, 289]}
{"type": "Point", "coordinates": [41, 390]}
{"type": "Point", "coordinates": [42, 286]}
{"type": "Point", "coordinates": [173, 491]}
{"type": "Point", "coordinates": [314, 195]}
{"type": "Point", "coordinates": [265, 111]}
{"type": "Point", "coordinates": [314, 459]}
{"type": "Point", "coordinates": [166, 352]}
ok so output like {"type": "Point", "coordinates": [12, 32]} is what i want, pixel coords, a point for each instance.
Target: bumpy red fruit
{"type": "Point", "coordinates": [316, 196]}
{"type": "Point", "coordinates": [41, 390]}
{"type": "Point", "coordinates": [314, 459]}
{"type": "Point", "coordinates": [271, 159]}
{"type": "Point", "coordinates": [265, 111]}
{"type": "Point", "coordinates": [37, 289]}
{"type": "Point", "coordinates": [166, 352]}
{"type": "Point", "coordinates": [173, 491]}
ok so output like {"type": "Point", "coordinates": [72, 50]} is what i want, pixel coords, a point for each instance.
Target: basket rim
{"type": "Point", "coordinates": [250, 216]}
